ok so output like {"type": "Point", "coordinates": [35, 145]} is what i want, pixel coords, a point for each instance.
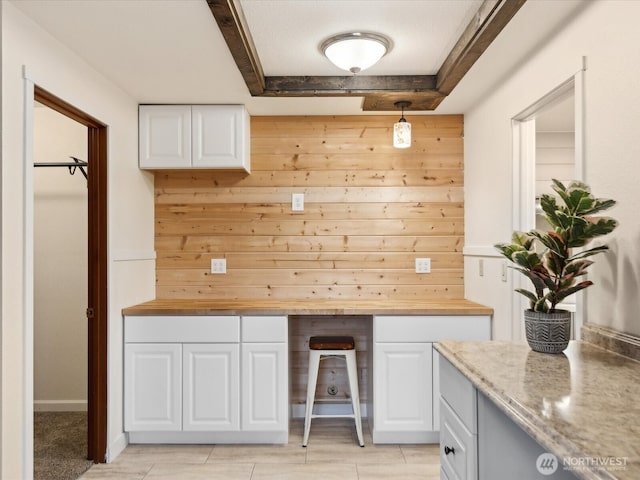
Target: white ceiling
{"type": "Point", "coordinates": [287, 33]}
{"type": "Point", "coordinates": [171, 51]}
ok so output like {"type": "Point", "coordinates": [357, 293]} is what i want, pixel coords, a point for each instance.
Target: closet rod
{"type": "Point", "coordinates": [77, 163]}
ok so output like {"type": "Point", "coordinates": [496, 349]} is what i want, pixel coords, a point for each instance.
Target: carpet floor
{"type": "Point", "coordinates": [60, 445]}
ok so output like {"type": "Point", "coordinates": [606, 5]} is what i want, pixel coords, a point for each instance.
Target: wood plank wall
{"type": "Point", "coordinates": [370, 210]}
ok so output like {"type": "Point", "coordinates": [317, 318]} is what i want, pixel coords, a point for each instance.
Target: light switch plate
{"type": "Point", "coordinates": [218, 265]}
{"type": "Point", "coordinates": [297, 202]}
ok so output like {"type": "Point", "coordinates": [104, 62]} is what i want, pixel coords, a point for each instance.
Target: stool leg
{"type": "Point", "coordinates": [314, 365]}
{"type": "Point", "coordinates": [352, 371]}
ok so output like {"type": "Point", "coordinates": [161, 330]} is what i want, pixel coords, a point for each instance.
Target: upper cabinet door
{"type": "Point", "coordinates": [165, 136]}
{"type": "Point", "coordinates": [220, 136]}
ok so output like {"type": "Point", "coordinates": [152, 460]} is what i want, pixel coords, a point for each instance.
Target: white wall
{"type": "Point", "coordinates": [60, 264]}
{"type": "Point", "coordinates": [606, 32]}
{"type": "Point", "coordinates": [130, 219]}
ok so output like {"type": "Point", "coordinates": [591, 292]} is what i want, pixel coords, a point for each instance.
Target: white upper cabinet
{"type": "Point", "coordinates": [165, 136]}
{"type": "Point", "coordinates": [194, 136]}
{"type": "Point", "coordinates": [220, 136]}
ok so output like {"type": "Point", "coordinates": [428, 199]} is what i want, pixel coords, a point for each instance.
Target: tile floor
{"type": "Point", "coordinates": [332, 453]}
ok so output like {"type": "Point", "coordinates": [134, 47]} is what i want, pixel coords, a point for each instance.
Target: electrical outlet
{"type": "Point", "coordinates": [218, 265]}
{"type": "Point", "coordinates": [297, 202]}
{"type": "Point", "coordinates": [481, 267]}
{"type": "Point", "coordinates": [423, 265]}
{"type": "Point", "coordinates": [504, 271]}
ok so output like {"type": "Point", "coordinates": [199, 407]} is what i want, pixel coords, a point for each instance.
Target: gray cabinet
{"type": "Point", "coordinates": [506, 452]}
{"type": "Point", "coordinates": [479, 442]}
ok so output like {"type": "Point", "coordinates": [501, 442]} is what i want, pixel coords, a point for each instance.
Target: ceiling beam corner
{"type": "Point", "coordinates": [233, 26]}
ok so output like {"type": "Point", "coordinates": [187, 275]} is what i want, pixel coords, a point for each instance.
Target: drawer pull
{"type": "Point", "coordinates": [448, 450]}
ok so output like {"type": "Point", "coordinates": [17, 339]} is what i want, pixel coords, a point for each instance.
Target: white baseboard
{"type": "Point", "coordinates": [117, 447]}
{"type": "Point", "coordinates": [298, 411]}
{"type": "Point", "coordinates": [59, 405]}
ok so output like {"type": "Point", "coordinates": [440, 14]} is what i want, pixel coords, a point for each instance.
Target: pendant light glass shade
{"type": "Point", "coordinates": [402, 134]}
{"type": "Point", "coordinates": [355, 52]}
{"type": "Point", "coordinates": [402, 129]}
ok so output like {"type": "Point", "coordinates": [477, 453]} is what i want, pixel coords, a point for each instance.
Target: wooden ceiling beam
{"type": "Point", "coordinates": [385, 102]}
{"type": "Point", "coordinates": [352, 85]}
{"type": "Point", "coordinates": [233, 25]}
{"type": "Point", "coordinates": [487, 23]}
{"type": "Point", "coordinates": [425, 92]}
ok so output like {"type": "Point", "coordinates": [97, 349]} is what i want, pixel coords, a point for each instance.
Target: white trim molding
{"type": "Point", "coordinates": [480, 251]}
{"type": "Point", "coordinates": [133, 255]}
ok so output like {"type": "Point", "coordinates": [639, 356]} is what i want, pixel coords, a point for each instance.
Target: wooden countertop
{"type": "Point", "coordinates": [307, 307]}
{"type": "Point", "coordinates": [581, 405]}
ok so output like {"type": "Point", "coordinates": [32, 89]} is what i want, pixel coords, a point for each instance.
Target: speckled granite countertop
{"type": "Point", "coordinates": [583, 404]}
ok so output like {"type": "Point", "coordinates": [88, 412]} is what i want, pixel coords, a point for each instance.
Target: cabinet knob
{"type": "Point", "coordinates": [448, 450]}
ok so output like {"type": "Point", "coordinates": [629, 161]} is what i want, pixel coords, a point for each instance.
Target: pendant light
{"type": "Point", "coordinates": [355, 52]}
{"type": "Point", "coordinates": [402, 128]}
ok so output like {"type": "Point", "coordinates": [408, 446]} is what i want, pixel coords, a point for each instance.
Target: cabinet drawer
{"type": "Point", "coordinates": [179, 329]}
{"type": "Point", "coordinates": [460, 393]}
{"type": "Point", "coordinates": [431, 328]}
{"type": "Point", "coordinates": [264, 329]}
{"type": "Point", "coordinates": [455, 438]}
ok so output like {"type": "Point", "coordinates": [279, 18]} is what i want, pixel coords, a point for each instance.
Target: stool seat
{"type": "Point", "coordinates": [332, 343]}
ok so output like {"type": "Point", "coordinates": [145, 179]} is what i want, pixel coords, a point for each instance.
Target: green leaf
{"type": "Point", "coordinates": [588, 253]}
{"type": "Point", "coordinates": [564, 293]}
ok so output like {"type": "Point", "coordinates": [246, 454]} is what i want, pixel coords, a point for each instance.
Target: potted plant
{"type": "Point", "coordinates": [555, 272]}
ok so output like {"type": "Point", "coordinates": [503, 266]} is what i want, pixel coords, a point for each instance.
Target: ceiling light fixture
{"type": "Point", "coordinates": [402, 129]}
{"type": "Point", "coordinates": [355, 52]}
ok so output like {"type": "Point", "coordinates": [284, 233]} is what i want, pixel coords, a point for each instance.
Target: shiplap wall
{"type": "Point", "coordinates": [370, 210]}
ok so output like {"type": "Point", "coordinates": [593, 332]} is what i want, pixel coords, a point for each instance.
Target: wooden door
{"type": "Point", "coordinates": [97, 271]}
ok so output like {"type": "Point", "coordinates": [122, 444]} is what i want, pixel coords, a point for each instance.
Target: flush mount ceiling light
{"type": "Point", "coordinates": [355, 52]}
{"type": "Point", "coordinates": [402, 129]}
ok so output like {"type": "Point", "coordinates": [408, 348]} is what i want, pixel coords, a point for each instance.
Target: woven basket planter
{"type": "Point", "coordinates": [548, 332]}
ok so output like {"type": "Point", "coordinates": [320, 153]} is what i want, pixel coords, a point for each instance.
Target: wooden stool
{"type": "Point", "coordinates": [321, 348]}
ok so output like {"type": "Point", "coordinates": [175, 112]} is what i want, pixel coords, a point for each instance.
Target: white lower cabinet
{"type": "Point", "coordinates": [211, 387]}
{"type": "Point", "coordinates": [406, 391]}
{"type": "Point", "coordinates": [402, 391]}
{"type": "Point", "coordinates": [264, 387]}
{"type": "Point", "coordinates": [153, 386]}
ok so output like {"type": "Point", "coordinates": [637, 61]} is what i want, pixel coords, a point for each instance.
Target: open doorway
{"type": "Point", "coordinates": [548, 141]}
{"type": "Point", "coordinates": [96, 270]}
{"type": "Point", "coordinates": [60, 296]}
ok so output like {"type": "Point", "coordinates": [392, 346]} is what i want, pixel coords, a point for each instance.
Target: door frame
{"type": "Point", "coordinates": [97, 271]}
{"type": "Point", "coordinates": [524, 177]}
